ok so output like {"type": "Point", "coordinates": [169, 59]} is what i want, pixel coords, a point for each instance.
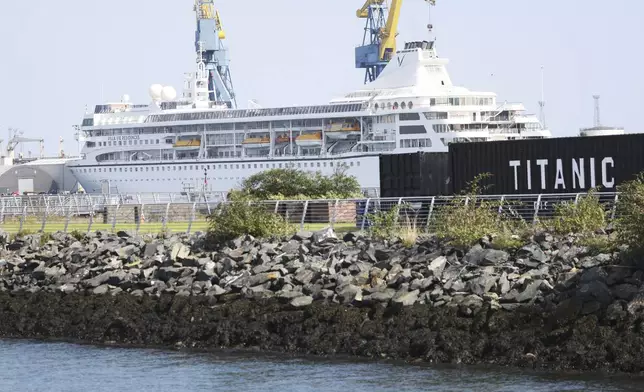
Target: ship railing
{"type": "Point", "coordinates": [189, 212]}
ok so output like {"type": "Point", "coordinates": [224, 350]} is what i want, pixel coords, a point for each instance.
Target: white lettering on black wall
{"type": "Point", "coordinates": [576, 174]}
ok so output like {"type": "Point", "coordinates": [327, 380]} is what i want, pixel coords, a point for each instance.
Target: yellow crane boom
{"type": "Point", "coordinates": [363, 12]}
{"type": "Point", "coordinates": [389, 32]}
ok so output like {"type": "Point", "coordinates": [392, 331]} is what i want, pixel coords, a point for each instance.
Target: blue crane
{"type": "Point", "coordinates": [209, 44]}
{"type": "Point", "coordinates": [379, 41]}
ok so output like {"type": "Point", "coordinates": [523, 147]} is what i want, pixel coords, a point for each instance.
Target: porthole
{"type": "Point", "coordinates": [403, 105]}
{"type": "Point", "coordinates": [395, 105]}
{"type": "Point", "coordinates": [376, 107]}
{"type": "Point", "coordinates": [410, 105]}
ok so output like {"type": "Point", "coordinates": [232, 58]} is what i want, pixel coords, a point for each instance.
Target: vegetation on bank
{"type": "Point", "coordinates": [246, 212]}
{"type": "Point", "coordinates": [462, 221]}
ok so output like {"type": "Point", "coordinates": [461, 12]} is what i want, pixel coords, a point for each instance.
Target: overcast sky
{"type": "Point", "coordinates": [59, 56]}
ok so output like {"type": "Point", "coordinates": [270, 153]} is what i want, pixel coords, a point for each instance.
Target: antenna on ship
{"type": "Point", "coordinates": [430, 26]}
{"type": "Point", "coordinates": [597, 119]}
{"type": "Point", "coordinates": [542, 102]}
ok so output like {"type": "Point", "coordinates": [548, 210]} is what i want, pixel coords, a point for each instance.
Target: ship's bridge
{"type": "Point", "coordinates": [416, 71]}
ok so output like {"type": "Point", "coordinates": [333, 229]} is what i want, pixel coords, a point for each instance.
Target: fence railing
{"type": "Point", "coordinates": [189, 212]}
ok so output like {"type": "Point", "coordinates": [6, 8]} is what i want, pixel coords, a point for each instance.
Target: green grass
{"type": "Point", "coordinates": [32, 225]}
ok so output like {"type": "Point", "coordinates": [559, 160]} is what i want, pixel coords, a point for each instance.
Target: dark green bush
{"type": "Point", "coordinates": [586, 216]}
{"type": "Point", "coordinates": [293, 184]}
{"type": "Point", "coordinates": [630, 213]}
{"type": "Point", "coordinates": [237, 218]}
{"type": "Point", "coordinates": [466, 219]}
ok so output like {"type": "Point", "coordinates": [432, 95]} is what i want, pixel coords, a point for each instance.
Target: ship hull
{"type": "Point", "coordinates": [211, 175]}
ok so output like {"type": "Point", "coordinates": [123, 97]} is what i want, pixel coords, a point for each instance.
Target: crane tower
{"type": "Point", "coordinates": [209, 39]}
{"type": "Point", "coordinates": [379, 40]}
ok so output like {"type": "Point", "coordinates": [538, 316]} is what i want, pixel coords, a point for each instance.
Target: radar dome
{"type": "Point", "coordinates": [155, 91]}
{"type": "Point", "coordinates": [168, 93]}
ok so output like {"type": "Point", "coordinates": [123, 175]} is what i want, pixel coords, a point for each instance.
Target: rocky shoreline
{"type": "Point", "coordinates": [551, 304]}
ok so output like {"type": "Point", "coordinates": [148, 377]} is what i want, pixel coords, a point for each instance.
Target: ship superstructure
{"type": "Point", "coordinates": [199, 143]}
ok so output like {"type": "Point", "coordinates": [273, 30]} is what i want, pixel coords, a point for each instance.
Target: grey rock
{"type": "Point", "coordinates": [481, 285]}
{"type": "Point", "coordinates": [472, 301]}
{"type": "Point", "coordinates": [503, 284]}
{"type": "Point", "coordinates": [262, 278]}
{"type": "Point", "coordinates": [405, 298]}
{"type": "Point", "coordinates": [380, 296]}
{"type": "Point", "coordinates": [529, 293]}
{"type": "Point", "coordinates": [625, 291]}
{"type": "Point", "coordinates": [300, 302]}
{"type": "Point", "coordinates": [349, 293]}
{"type": "Point", "coordinates": [437, 266]}
{"type": "Point", "coordinates": [494, 257]}
{"type": "Point", "coordinates": [533, 252]}
{"type": "Point", "coordinates": [103, 289]}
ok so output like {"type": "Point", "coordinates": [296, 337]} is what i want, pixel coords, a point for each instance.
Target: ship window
{"type": "Point", "coordinates": [318, 164]}
{"type": "Point", "coordinates": [410, 105]}
{"type": "Point", "coordinates": [358, 163]}
{"type": "Point", "coordinates": [351, 164]}
{"type": "Point", "coordinates": [403, 105]}
{"type": "Point", "coordinates": [255, 166]}
{"type": "Point", "coordinates": [331, 164]}
{"type": "Point", "coordinates": [243, 166]}
{"type": "Point", "coordinates": [376, 107]}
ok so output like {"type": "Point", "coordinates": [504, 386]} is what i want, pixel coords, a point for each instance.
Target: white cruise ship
{"type": "Point", "coordinates": [194, 143]}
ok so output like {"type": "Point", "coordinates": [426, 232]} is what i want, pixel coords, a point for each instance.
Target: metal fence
{"type": "Point", "coordinates": [188, 212]}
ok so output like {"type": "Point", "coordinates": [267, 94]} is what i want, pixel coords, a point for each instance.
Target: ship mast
{"type": "Point", "coordinates": [209, 44]}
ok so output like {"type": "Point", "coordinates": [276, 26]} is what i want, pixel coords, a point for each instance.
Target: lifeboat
{"type": "Point", "coordinates": [309, 140]}
{"type": "Point", "coordinates": [343, 131]}
{"type": "Point", "coordinates": [257, 142]}
{"type": "Point", "coordinates": [188, 144]}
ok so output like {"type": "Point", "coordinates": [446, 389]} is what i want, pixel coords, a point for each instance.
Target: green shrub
{"type": "Point", "coordinates": [586, 216]}
{"type": "Point", "coordinates": [237, 218]}
{"type": "Point", "coordinates": [384, 224]}
{"type": "Point", "coordinates": [630, 213]}
{"type": "Point", "coordinates": [293, 184]}
{"type": "Point", "coordinates": [465, 220]}
{"type": "Point", "coordinates": [394, 223]}
{"type": "Point", "coordinates": [597, 244]}
{"type": "Point", "coordinates": [77, 234]}
{"type": "Point", "coordinates": [506, 242]}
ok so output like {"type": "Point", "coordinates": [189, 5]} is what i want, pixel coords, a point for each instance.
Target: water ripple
{"type": "Point", "coordinates": [34, 366]}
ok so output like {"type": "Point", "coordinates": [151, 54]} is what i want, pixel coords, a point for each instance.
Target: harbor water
{"type": "Point", "coordinates": [39, 366]}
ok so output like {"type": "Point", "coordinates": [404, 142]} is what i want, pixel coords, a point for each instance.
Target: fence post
{"type": "Point", "coordinates": [364, 214]}
{"type": "Point", "coordinates": [536, 210]}
{"type": "Point", "coordinates": [431, 211]}
{"type": "Point", "coordinates": [277, 203]}
{"type": "Point", "coordinates": [141, 216]}
{"type": "Point", "coordinates": [501, 204]}
{"type": "Point", "coordinates": [91, 221]}
{"type": "Point", "coordinates": [335, 214]}
{"type": "Point", "coordinates": [614, 209]}
{"type": "Point", "coordinates": [577, 198]}
{"type": "Point", "coordinates": [192, 217]}
{"type": "Point", "coordinates": [44, 219]}
{"type": "Point", "coordinates": [165, 218]}
{"type": "Point", "coordinates": [306, 206]}
{"type": "Point", "coordinates": [116, 212]}
{"type": "Point", "coordinates": [23, 217]}
{"type": "Point", "coordinates": [68, 215]}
